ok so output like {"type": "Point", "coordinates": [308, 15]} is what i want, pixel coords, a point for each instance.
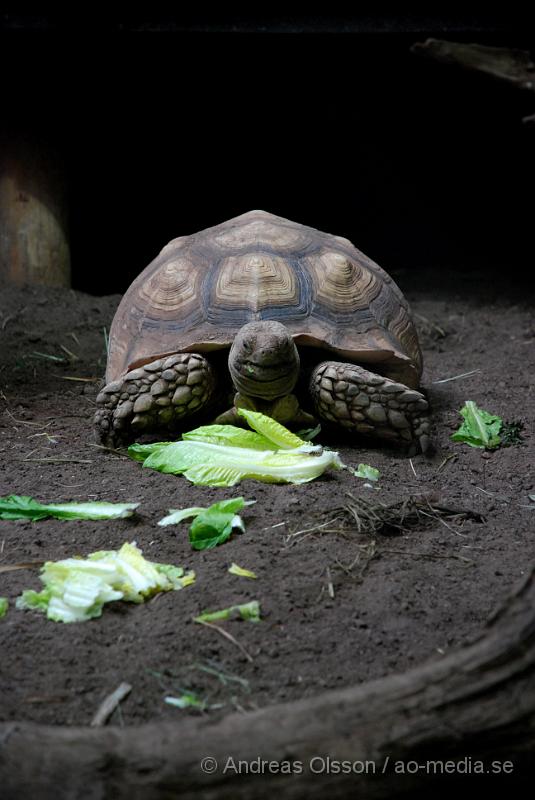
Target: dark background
{"type": "Point", "coordinates": [165, 123]}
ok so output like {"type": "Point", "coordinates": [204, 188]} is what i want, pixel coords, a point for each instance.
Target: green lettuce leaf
{"type": "Point", "coordinates": [22, 507]}
{"type": "Point", "coordinates": [214, 465]}
{"type": "Point", "coordinates": [76, 589]}
{"type": "Point", "coordinates": [234, 569]}
{"type": "Point", "coordinates": [139, 452]}
{"type": "Point", "coordinates": [281, 437]}
{"type": "Point", "coordinates": [367, 472]}
{"type": "Point", "coordinates": [479, 429]}
{"type": "Point", "coordinates": [212, 525]}
{"type": "Point", "coordinates": [248, 611]}
{"type": "Point", "coordinates": [4, 605]}
{"type": "Point", "coordinates": [229, 435]}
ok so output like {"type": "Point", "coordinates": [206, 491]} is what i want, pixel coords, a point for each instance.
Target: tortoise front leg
{"type": "Point", "coordinates": [154, 397]}
{"type": "Point", "coordinates": [370, 404]}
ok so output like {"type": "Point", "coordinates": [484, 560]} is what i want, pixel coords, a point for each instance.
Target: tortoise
{"type": "Point", "coordinates": [309, 327]}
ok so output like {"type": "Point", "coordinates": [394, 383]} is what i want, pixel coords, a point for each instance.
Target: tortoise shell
{"type": "Point", "coordinates": [201, 289]}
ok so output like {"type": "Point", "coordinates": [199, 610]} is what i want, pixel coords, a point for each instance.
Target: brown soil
{"type": "Point", "coordinates": [423, 593]}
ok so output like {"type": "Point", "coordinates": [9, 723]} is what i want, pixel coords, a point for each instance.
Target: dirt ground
{"type": "Point", "coordinates": [398, 602]}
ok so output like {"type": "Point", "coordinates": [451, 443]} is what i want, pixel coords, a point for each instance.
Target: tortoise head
{"type": "Point", "coordinates": [263, 360]}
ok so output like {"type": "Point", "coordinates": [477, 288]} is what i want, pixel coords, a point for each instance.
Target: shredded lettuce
{"type": "Point", "coordinates": [248, 611]}
{"type": "Point", "coordinates": [213, 525]}
{"type": "Point", "coordinates": [23, 507]}
{"type": "Point", "coordinates": [76, 589]}
{"type": "Point", "coordinates": [479, 429]}
{"type": "Point", "coordinates": [4, 605]}
{"type": "Point", "coordinates": [367, 472]}
{"type": "Point", "coordinates": [234, 569]}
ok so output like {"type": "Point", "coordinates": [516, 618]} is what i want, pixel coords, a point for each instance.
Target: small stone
{"type": "Point", "coordinates": [163, 401]}
{"type": "Point", "coordinates": [181, 396]}
{"type": "Point", "coordinates": [155, 366]}
{"type": "Point", "coordinates": [181, 380]}
{"type": "Point", "coordinates": [376, 413]}
{"type": "Point", "coordinates": [124, 410]}
{"type": "Point", "coordinates": [143, 389]}
{"type": "Point", "coordinates": [194, 363]}
{"type": "Point", "coordinates": [168, 374]}
{"type": "Point", "coordinates": [352, 390]}
{"type": "Point", "coordinates": [356, 415]}
{"type": "Point", "coordinates": [340, 386]}
{"type": "Point", "coordinates": [140, 422]}
{"type": "Point", "coordinates": [194, 377]}
{"type": "Point", "coordinates": [160, 387]}
{"type": "Point", "coordinates": [194, 403]}
{"type": "Point", "coordinates": [143, 403]}
{"type": "Point", "coordinates": [102, 398]}
{"type": "Point", "coordinates": [197, 391]}
{"type": "Point", "coordinates": [361, 399]}
{"type": "Point", "coordinates": [325, 396]}
{"type": "Point", "coordinates": [362, 427]}
{"type": "Point", "coordinates": [123, 396]}
{"type": "Point", "coordinates": [398, 420]}
{"type": "Point", "coordinates": [374, 380]}
{"type": "Point", "coordinates": [181, 368]}
{"type": "Point", "coordinates": [327, 383]}
{"type": "Point", "coordinates": [392, 388]}
{"type": "Point", "coordinates": [135, 375]}
{"type": "Point", "coordinates": [132, 389]}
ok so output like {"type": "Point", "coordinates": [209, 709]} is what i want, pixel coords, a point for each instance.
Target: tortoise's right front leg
{"type": "Point", "coordinates": [156, 396]}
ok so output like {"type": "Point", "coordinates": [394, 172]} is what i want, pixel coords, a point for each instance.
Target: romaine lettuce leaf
{"type": "Point", "coordinates": [479, 429]}
{"type": "Point", "coordinates": [23, 507]}
{"type": "Point", "coordinates": [248, 611]}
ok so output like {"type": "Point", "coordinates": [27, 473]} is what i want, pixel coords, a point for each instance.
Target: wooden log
{"type": "Point", "coordinates": [472, 706]}
{"type": "Point", "coordinates": [34, 247]}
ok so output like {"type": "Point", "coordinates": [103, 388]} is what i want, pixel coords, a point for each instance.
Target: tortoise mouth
{"type": "Point", "coordinates": [263, 360]}
{"type": "Point", "coordinates": [267, 381]}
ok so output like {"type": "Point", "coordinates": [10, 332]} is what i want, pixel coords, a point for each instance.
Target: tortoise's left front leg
{"type": "Point", "coordinates": [370, 404]}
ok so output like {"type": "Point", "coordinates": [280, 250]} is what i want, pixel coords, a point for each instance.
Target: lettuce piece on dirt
{"type": "Point", "coordinates": [76, 589]}
{"type": "Point", "coordinates": [367, 472]}
{"type": "Point", "coordinates": [479, 428]}
{"type": "Point", "coordinates": [213, 525]}
{"type": "Point", "coordinates": [214, 465]}
{"type": "Point", "coordinates": [16, 506]}
{"type": "Point", "coordinates": [216, 455]}
{"type": "Point", "coordinates": [248, 611]}
{"type": "Point", "coordinates": [234, 569]}
{"type": "Point", "coordinates": [228, 435]}
{"type": "Point", "coordinates": [281, 437]}
{"type": "Point", "coordinates": [4, 605]}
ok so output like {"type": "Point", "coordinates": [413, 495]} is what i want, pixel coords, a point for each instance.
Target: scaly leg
{"type": "Point", "coordinates": [370, 404]}
{"type": "Point", "coordinates": [154, 397]}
